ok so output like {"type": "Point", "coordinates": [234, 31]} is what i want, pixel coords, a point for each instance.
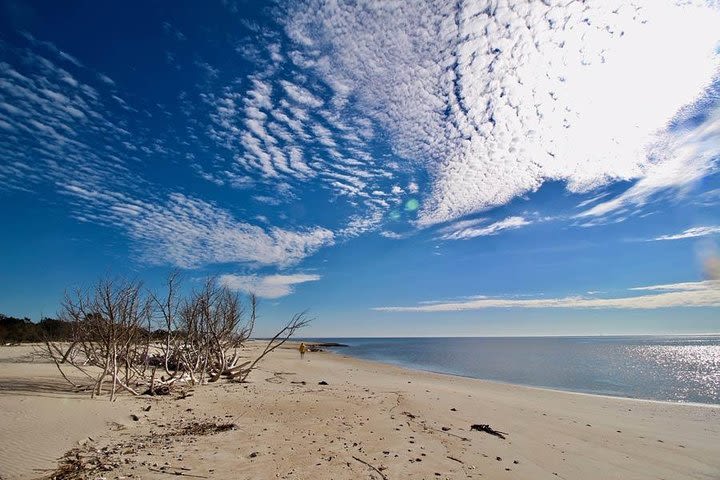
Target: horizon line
{"type": "Point", "coordinates": [704, 334]}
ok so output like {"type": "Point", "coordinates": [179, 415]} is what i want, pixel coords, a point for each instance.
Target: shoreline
{"type": "Point", "coordinates": [335, 416]}
{"type": "Point", "coordinates": [534, 387]}
{"type": "Point", "coordinates": [339, 352]}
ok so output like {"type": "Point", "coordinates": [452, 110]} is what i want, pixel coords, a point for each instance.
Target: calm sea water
{"type": "Point", "coordinates": [675, 368]}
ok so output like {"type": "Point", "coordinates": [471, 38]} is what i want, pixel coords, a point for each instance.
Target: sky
{"type": "Point", "coordinates": [396, 168]}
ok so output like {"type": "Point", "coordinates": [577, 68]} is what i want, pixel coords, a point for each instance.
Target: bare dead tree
{"type": "Point", "coordinates": [122, 335]}
{"type": "Point", "coordinates": [107, 324]}
{"type": "Point", "coordinates": [168, 308]}
{"type": "Point", "coordinates": [214, 324]}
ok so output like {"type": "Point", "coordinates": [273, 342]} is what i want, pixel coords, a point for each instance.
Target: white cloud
{"type": "Point", "coordinates": [301, 95]}
{"type": "Point", "coordinates": [679, 160]}
{"type": "Point", "coordinates": [267, 199]}
{"type": "Point", "coordinates": [456, 91]}
{"type": "Point", "coordinates": [592, 200]}
{"type": "Point", "coordinates": [56, 122]}
{"type": "Point", "coordinates": [676, 287]}
{"type": "Point", "coordinates": [497, 98]}
{"type": "Point", "coordinates": [65, 135]}
{"type": "Point", "coordinates": [189, 232]}
{"type": "Point", "coordinates": [691, 233]}
{"type": "Point", "coordinates": [690, 294]}
{"type": "Point", "coordinates": [393, 235]}
{"type": "Point", "coordinates": [467, 229]}
{"type": "Point", "coordinates": [303, 135]}
{"type": "Point", "coordinates": [360, 224]}
{"type": "Point", "coordinates": [269, 286]}
{"type": "Point", "coordinates": [709, 198]}
{"type": "Point", "coordinates": [282, 131]}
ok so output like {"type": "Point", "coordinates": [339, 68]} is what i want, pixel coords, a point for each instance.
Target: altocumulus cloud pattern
{"type": "Point", "coordinates": [433, 112]}
{"type": "Point", "coordinates": [495, 98]}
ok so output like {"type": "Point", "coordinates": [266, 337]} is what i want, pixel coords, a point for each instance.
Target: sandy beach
{"type": "Point", "coordinates": [329, 416]}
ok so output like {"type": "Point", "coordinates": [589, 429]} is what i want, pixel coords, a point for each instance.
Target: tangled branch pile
{"type": "Point", "coordinates": [139, 342]}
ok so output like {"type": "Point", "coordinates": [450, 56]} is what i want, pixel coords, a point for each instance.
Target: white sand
{"type": "Point", "coordinates": [291, 430]}
{"type": "Point", "coordinates": [40, 417]}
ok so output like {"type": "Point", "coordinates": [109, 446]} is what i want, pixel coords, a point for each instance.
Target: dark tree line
{"type": "Point", "coordinates": [16, 330]}
{"type": "Point", "coordinates": [24, 330]}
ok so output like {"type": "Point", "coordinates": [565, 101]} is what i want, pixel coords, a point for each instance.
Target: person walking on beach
{"type": "Point", "coordinates": [302, 349]}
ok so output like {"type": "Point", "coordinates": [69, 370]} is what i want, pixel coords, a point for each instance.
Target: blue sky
{"type": "Point", "coordinates": [398, 169]}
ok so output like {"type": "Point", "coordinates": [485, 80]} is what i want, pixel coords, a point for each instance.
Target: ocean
{"type": "Point", "coordinates": [672, 368]}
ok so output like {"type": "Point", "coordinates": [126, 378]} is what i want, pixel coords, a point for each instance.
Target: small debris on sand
{"type": "Point", "coordinates": [205, 428]}
{"type": "Point", "coordinates": [488, 429]}
{"type": "Point", "coordinates": [158, 390]}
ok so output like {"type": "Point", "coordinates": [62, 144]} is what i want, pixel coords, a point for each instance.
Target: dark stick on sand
{"type": "Point", "coordinates": [176, 473]}
{"type": "Point", "coordinates": [488, 429]}
{"type": "Point", "coordinates": [371, 466]}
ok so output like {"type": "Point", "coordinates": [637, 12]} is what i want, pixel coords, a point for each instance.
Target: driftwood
{"type": "Point", "coordinates": [371, 466]}
{"type": "Point", "coordinates": [481, 427]}
{"type": "Point", "coordinates": [177, 473]}
{"type": "Point", "coordinates": [237, 370]}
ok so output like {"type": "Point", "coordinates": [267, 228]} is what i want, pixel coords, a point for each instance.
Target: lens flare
{"type": "Point", "coordinates": [412, 205]}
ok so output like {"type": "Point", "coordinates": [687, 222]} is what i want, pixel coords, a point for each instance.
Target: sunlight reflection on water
{"type": "Point", "coordinates": [694, 368]}
{"type": "Point", "coordinates": [675, 368]}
